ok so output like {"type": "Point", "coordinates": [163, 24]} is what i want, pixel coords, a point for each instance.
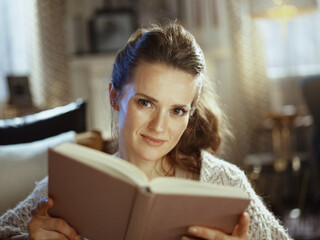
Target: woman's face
{"type": "Point", "coordinates": [154, 110]}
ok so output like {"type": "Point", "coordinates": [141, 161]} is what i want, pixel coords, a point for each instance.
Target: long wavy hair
{"type": "Point", "coordinates": [172, 45]}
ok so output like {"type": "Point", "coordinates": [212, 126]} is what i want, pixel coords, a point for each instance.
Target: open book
{"type": "Point", "coordinates": [104, 197]}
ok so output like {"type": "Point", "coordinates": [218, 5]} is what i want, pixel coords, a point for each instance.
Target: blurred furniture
{"type": "Point", "coordinates": [11, 111]}
{"type": "Point", "coordinates": [282, 173]}
{"type": "Point", "coordinates": [44, 124]}
{"type": "Point", "coordinates": [311, 92]}
{"type": "Point", "coordinates": [21, 165]}
{"type": "Point", "coordinates": [25, 142]}
{"type": "Point", "coordinates": [90, 76]}
{"type": "Point", "coordinates": [285, 175]}
{"type": "Point", "coordinates": [20, 98]}
{"type": "Point", "coordinates": [282, 127]}
{"type": "Point", "coordinates": [20, 94]}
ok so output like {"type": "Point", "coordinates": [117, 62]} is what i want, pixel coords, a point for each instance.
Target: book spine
{"type": "Point", "coordinates": [139, 215]}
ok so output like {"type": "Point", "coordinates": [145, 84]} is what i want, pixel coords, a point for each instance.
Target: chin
{"type": "Point", "coordinates": [151, 154]}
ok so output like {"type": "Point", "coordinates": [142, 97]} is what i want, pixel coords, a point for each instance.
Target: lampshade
{"type": "Point", "coordinates": [281, 9]}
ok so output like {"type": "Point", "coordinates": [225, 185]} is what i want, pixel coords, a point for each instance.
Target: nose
{"type": "Point", "coordinates": [159, 121]}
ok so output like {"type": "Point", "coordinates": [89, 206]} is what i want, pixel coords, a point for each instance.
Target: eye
{"type": "Point", "coordinates": [179, 111]}
{"type": "Point", "coordinates": [144, 103]}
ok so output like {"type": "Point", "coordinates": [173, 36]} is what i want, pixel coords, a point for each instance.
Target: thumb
{"type": "Point", "coordinates": [243, 225]}
{"type": "Point", "coordinates": [42, 207]}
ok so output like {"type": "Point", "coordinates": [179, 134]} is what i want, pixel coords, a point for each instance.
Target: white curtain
{"type": "Point", "coordinates": [235, 59]}
{"type": "Point", "coordinates": [256, 71]}
{"type": "Point", "coordinates": [293, 48]}
{"type": "Point", "coordinates": [33, 43]}
{"type": "Point", "coordinates": [250, 86]}
{"type": "Point", "coordinates": [14, 59]}
{"type": "Point", "coordinates": [50, 82]}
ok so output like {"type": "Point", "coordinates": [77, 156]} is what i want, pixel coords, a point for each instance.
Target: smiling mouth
{"type": "Point", "coordinates": [153, 142]}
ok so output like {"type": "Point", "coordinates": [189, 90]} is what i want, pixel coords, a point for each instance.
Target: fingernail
{"type": "Point", "coordinates": [78, 238]}
{"type": "Point", "coordinates": [193, 230]}
{"type": "Point", "coordinates": [185, 238]}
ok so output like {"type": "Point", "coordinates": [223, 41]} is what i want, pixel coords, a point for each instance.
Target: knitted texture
{"type": "Point", "coordinates": [263, 224]}
{"type": "Point", "coordinates": [14, 222]}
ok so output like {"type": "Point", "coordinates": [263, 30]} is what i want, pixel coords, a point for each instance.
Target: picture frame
{"type": "Point", "coordinates": [109, 30]}
{"type": "Point", "coordinates": [20, 95]}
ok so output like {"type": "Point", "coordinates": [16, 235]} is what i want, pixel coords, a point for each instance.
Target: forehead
{"type": "Point", "coordinates": [161, 81]}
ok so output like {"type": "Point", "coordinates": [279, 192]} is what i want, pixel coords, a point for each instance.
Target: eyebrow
{"type": "Point", "coordinates": [155, 100]}
{"type": "Point", "coordinates": [146, 96]}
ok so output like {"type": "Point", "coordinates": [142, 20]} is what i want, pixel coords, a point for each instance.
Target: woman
{"type": "Point", "coordinates": [168, 126]}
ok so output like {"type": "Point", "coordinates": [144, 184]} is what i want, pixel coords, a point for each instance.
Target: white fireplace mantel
{"type": "Point", "coordinates": [90, 76]}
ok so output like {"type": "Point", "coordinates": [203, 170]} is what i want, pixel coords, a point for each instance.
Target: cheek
{"type": "Point", "coordinates": [178, 128]}
{"type": "Point", "coordinates": [131, 118]}
{"type": "Point", "coordinates": [122, 119]}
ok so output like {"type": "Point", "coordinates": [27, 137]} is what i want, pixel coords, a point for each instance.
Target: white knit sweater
{"type": "Point", "coordinates": [263, 224]}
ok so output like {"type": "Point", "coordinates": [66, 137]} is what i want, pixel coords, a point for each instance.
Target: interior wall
{"type": "Point", "coordinates": [287, 91]}
{"type": "Point", "coordinates": [79, 12]}
{"type": "Point", "coordinates": [283, 92]}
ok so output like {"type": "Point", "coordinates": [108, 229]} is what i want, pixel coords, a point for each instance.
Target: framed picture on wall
{"type": "Point", "coordinates": [19, 90]}
{"type": "Point", "coordinates": [110, 29]}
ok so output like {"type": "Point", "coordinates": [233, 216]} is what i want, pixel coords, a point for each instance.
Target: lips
{"type": "Point", "coordinates": [151, 141]}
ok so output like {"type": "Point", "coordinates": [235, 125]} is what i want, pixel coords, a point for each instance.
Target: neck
{"type": "Point", "coordinates": [152, 168]}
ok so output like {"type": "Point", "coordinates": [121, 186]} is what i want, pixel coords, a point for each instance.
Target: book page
{"type": "Point", "coordinates": [96, 204]}
{"type": "Point", "coordinates": [170, 215]}
{"type": "Point", "coordinates": [166, 185]}
{"type": "Point", "coordinates": [104, 162]}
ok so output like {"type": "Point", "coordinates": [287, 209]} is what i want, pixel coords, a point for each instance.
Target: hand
{"type": "Point", "coordinates": [240, 232]}
{"type": "Point", "coordinates": [42, 226]}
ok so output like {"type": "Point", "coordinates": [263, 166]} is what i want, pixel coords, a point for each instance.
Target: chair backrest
{"type": "Point", "coordinates": [44, 124]}
{"type": "Point", "coordinates": [311, 93]}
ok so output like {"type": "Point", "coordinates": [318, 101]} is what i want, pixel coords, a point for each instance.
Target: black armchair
{"type": "Point", "coordinates": [44, 124]}
{"type": "Point", "coordinates": [311, 93]}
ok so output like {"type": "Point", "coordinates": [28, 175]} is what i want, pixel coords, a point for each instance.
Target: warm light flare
{"type": "Point", "coordinates": [282, 12]}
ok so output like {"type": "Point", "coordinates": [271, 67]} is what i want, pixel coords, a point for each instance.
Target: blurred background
{"type": "Point", "coordinates": [263, 57]}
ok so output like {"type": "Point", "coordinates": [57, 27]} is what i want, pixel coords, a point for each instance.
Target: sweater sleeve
{"type": "Point", "coordinates": [263, 224]}
{"type": "Point", "coordinates": [14, 221]}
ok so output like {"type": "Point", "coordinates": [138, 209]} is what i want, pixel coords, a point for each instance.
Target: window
{"type": "Point", "coordinates": [13, 42]}
{"type": "Point", "coordinates": [293, 48]}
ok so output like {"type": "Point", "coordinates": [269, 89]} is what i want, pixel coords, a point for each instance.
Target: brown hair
{"type": "Point", "coordinates": [174, 46]}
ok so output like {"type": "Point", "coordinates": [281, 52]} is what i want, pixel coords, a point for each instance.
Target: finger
{"type": "Point", "coordinates": [42, 220]}
{"type": "Point", "coordinates": [189, 238]}
{"type": "Point", "coordinates": [185, 238]}
{"type": "Point", "coordinates": [44, 234]}
{"type": "Point", "coordinates": [206, 233]}
{"type": "Point", "coordinates": [24, 236]}
{"type": "Point", "coordinates": [61, 226]}
{"type": "Point", "coordinates": [42, 207]}
{"type": "Point", "coordinates": [242, 227]}
{"type": "Point", "coordinates": [47, 225]}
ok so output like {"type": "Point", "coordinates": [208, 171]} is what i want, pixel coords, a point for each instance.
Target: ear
{"type": "Point", "coordinates": [113, 96]}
